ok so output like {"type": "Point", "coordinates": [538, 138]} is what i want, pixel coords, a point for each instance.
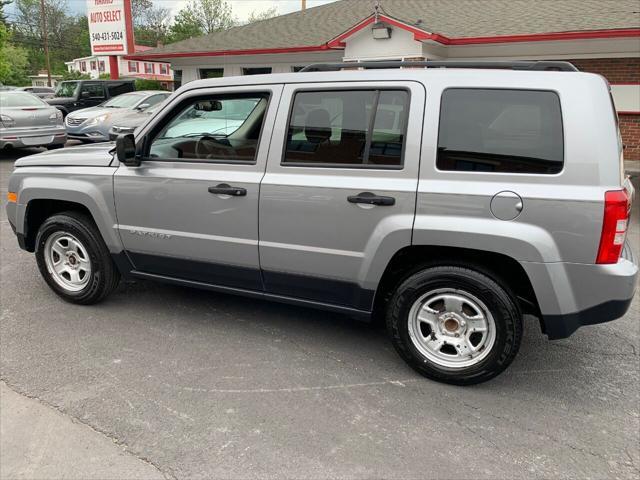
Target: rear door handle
{"type": "Point", "coordinates": [371, 199]}
{"type": "Point", "coordinates": [225, 189]}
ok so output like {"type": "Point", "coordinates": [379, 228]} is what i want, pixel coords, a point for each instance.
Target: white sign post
{"type": "Point", "coordinates": [110, 29]}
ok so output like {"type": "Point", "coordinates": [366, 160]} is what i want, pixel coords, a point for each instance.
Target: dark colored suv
{"type": "Point", "coordinates": [76, 94]}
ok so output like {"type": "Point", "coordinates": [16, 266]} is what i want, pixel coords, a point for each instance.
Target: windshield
{"type": "Point", "coordinates": [20, 99]}
{"type": "Point", "coordinates": [67, 89]}
{"type": "Point", "coordinates": [127, 100]}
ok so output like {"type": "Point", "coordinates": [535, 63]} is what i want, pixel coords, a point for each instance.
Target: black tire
{"type": "Point", "coordinates": [104, 276]}
{"type": "Point", "coordinates": [498, 300]}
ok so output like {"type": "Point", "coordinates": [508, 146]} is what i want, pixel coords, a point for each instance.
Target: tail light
{"type": "Point", "coordinates": [617, 205]}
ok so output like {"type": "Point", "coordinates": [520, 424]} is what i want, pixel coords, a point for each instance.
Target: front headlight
{"type": "Point", "coordinates": [57, 116]}
{"type": "Point", "coordinates": [98, 119]}
{"type": "Point", "coordinates": [7, 121]}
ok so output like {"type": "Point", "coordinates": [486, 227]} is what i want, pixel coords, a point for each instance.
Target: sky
{"type": "Point", "coordinates": [241, 8]}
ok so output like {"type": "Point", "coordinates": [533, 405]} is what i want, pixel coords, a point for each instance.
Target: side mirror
{"type": "Point", "coordinates": [143, 106]}
{"type": "Point", "coordinates": [85, 94]}
{"type": "Point", "coordinates": [126, 150]}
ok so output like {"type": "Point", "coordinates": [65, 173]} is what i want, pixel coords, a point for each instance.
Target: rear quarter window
{"type": "Point", "coordinates": [500, 130]}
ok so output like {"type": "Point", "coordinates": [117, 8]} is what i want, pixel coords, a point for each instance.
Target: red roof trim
{"type": "Point", "coordinates": [539, 37]}
{"type": "Point", "coordinates": [418, 34]}
{"type": "Point", "coordinates": [259, 51]}
{"type": "Point", "coordinates": [631, 112]}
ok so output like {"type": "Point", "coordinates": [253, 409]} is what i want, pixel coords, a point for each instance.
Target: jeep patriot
{"type": "Point", "coordinates": [450, 201]}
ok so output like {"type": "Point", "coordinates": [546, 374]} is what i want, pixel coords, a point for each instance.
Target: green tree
{"type": "Point", "coordinates": [201, 17]}
{"type": "Point", "coordinates": [75, 75]}
{"type": "Point", "coordinates": [185, 25]}
{"type": "Point", "coordinates": [153, 26]}
{"type": "Point", "coordinates": [13, 60]}
{"type": "Point", "coordinates": [256, 16]}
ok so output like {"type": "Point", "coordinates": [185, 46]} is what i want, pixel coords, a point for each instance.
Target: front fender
{"type": "Point", "coordinates": [89, 187]}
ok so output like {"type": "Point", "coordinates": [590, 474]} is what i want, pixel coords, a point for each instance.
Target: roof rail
{"type": "Point", "coordinates": [506, 65]}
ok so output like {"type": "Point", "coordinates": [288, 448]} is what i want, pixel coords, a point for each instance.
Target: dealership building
{"type": "Point", "coordinates": [599, 36]}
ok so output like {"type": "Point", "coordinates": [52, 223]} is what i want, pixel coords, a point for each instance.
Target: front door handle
{"type": "Point", "coordinates": [225, 189]}
{"type": "Point", "coordinates": [371, 199]}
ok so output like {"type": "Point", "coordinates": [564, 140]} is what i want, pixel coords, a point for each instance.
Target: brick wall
{"type": "Point", "coordinates": [616, 70]}
{"type": "Point", "coordinates": [630, 130]}
{"type": "Point", "coordinates": [619, 70]}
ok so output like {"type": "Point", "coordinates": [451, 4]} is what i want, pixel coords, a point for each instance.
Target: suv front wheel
{"type": "Point", "coordinates": [454, 324]}
{"type": "Point", "coordinates": [74, 260]}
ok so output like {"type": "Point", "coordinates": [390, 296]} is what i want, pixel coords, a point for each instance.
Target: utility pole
{"type": "Point", "coordinates": [45, 38]}
{"type": "Point", "coordinates": [304, 5]}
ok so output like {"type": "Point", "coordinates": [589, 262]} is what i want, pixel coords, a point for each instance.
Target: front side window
{"type": "Point", "coordinates": [217, 128]}
{"type": "Point", "coordinates": [361, 128]}
{"type": "Point", "coordinates": [499, 130]}
{"type": "Point", "coordinates": [67, 89]}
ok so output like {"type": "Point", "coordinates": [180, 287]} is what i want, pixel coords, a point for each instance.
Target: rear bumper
{"type": "Point", "coordinates": [33, 137]}
{"type": "Point", "coordinates": [563, 326]}
{"type": "Point", "coordinates": [571, 295]}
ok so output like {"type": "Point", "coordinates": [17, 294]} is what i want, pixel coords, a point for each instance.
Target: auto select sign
{"type": "Point", "coordinates": [108, 26]}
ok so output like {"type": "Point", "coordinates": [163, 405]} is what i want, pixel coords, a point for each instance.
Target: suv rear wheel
{"type": "Point", "coordinates": [74, 260]}
{"type": "Point", "coordinates": [454, 324]}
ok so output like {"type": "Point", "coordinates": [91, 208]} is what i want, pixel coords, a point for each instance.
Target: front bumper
{"type": "Point", "coordinates": [571, 295]}
{"type": "Point", "coordinates": [88, 133]}
{"type": "Point", "coordinates": [32, 137]}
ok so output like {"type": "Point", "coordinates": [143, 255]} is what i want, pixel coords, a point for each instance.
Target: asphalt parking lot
{"type": "Point", "coordinates": [203, 385]}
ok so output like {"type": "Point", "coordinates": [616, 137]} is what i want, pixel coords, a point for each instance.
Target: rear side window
{"type": "Point", "coordinates": [118, 88]}
{"type": "Point", "coordinates": [351, 128]}
{"type": "Point", "coordinates": [495, 130]}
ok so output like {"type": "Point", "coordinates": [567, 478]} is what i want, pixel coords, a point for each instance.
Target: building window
{"type": "Point", "coordinates": [133, 66]}
{"type": "Point", "coordinates": [356, 128]}
{"type": "Point", "coordinates": [211, 72]}
{"type": "Point", "coordinates": [93, 65]}
{"type": "Point", "coordinates": [101, 66]}
{"type": "Point", "coordinates": [256, 70]}
{"type": "Point", "coordinates": [177, 79]}
{"type": "Point", "coordinates": [148, 68]}
{"type": "Point", "coordinates": [83, 66]}
{"type": "Point", "coordinates": [164, 70]}
{"type": "Point", "coordinates": [514, 131]}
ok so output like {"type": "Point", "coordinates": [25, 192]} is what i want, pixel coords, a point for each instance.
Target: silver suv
{"type": "Point", "coordinates": [451, 201]}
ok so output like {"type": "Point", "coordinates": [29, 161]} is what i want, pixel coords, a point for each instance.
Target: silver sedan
{"type": "Point", "coordinates": [27, 121]}
{"type": "Point", "coordinates": [93, 124]}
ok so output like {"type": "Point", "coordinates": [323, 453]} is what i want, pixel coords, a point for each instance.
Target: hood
{"type": "Point", "coordinates": [95, 155]}
{"type": "Point", "coordinates": [91, 112]}
{"type": "Point", "coordinates": [132, 120]}
{"type": "Point", "coordinates": [59, 100]}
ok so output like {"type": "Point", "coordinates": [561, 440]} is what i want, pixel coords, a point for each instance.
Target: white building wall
{"type": "Point", "coordinates": [232, 66]}
{"type": "Point", "coordinates": [362, 46]}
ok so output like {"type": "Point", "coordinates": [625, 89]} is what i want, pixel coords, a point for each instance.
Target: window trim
{"type": "Point", "coordinates": [519, 174]}
{"type": "Point", "coordinates": [362, 166]}
{"type": "Point", "coordinates": [147, 142]}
